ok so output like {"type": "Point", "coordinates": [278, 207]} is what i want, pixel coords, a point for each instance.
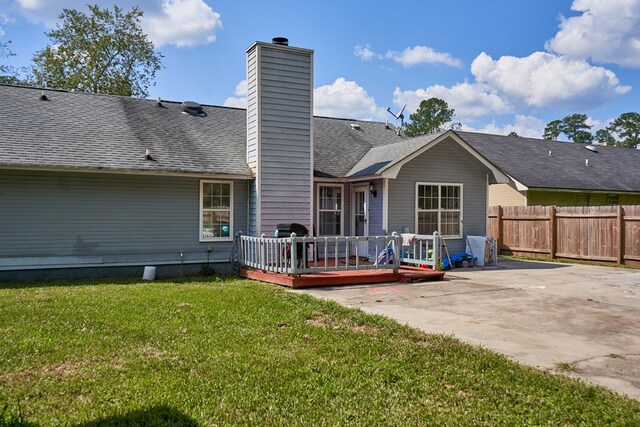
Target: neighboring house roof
{"type": "Point", "coordinates": [527, 161]}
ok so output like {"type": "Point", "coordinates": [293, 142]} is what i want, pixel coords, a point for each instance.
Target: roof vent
{"type": "Point", "coordinates": [549, 153]}
{"type": "Point", "coordinates": [282, 41]}
{"type": "Point", "coordinates": [159, 102]}
{"type": "Point", "coordinates": [192, 108]}
{"type": "Point", "coordinates": [355, 126]}
{"type": "Point", "coordinates": [591, 148]}
{"type": "Point", "coordinates": [586, 162]}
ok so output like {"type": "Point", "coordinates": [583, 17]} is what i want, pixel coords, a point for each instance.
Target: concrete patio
{"type": "Point", "coordinates": [541, 314]}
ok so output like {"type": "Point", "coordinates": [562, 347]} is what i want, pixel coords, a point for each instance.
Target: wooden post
{"type": "Point", "coordinates": [553, 234]}
{"type": "Point", "coordinates": [620, 222]}
{"type": "Point", "coordinates": [499, 219]}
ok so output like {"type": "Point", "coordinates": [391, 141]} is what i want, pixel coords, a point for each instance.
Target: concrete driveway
{"type": "Point", "coordinates": [536, 313]}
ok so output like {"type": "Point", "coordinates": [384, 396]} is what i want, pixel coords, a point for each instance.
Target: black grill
{"type": "Point", "coordinates": [285, 230]}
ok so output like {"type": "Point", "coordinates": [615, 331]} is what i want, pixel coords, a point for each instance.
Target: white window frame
{"type": "Point", "coordinates": [440, 210]}
{"type": "Point", "coordinates": [201, 211]}
{"type": "Point", "coordinates": [318, 210]}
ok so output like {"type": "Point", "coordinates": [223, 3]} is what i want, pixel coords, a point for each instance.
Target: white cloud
{"type": "Point", "coordinates": [546, 80]}
{"type": "Point", "coordinates": [344, 98]}
{"type": "Point", "coordinates": [422, 55]}
{"type": "Point", "coordinates": [182, 23]}
{"type": "Point", "coordinates": [175, 22]}
{"type": "Point", "coordinates": [240, 100]}
{"type": "Point", "coordinates": [468, 100]}
{"type": "Point", "coordinates": [607, 31]}
{"type": "Point", "coordinates": [365, 53]}
{"type": "Point", "coordinates": [526, 126]}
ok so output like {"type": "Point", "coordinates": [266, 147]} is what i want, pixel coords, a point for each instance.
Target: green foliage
{"type": "Point", "coordinates": [574, 126]}
{"type": "Point", "coordinates": [102, 52]}
{"type": "Point", "coordinates": [603, 135]}
{"type": "Point", "coordinates": [513, 133]}
{"type": "Point", "coordinates": [627, 126]}
{"type": "Point", "coordinates": [223, 351]}
{"type": "Point", "coordinates": [433, 115]}
{"type": "Point", "coordinates": [553, 130]}
{"type": "Point", "coordinates": [12, 75]}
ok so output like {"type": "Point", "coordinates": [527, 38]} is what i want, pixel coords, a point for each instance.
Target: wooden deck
{"type": "Point", "coordinates": [405, 274]}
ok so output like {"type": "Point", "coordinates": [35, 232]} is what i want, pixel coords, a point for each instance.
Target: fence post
{"type": "Point", "coordinates": [294, 254]}
{"type": "Point", "coordinates": [553, 234]}
{"type": "Point", "coordinates": [620, 221]}
{"type": "Point", "coordinates": [500, 231]}
{"type": "Point", "coordinates": [437, 246]}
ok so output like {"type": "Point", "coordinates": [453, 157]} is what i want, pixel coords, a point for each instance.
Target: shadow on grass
{"type": "Point", "coordinates": [114, 281]}
{"type": "Point", "coordinates": [154, 416]}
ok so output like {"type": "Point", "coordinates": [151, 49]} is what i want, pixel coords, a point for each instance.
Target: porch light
{"type": "Point", "coordinates": [372, 189]}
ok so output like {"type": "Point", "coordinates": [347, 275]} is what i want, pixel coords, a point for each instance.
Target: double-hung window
{"type": "Point", "coordinates": [439, 208]}
{"type": "Point", "coordinates": [216, 210]}
{"type": "Point", "coordinates": [330, 210]}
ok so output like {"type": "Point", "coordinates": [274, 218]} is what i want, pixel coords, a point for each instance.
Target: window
{"type": "Point", "coordinates": [216, 213]}
{"type": "Point", "coordinates": [584, 199]}
{"type": "Point", "coordinates": [439, 208]}
{"type": "Point", "coordinates": [612, 199]}
{"type": "Point", "coordinates": [330, 210]}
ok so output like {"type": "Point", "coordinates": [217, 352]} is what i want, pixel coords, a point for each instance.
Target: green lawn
{"type": "Point", "coordinates": [226, 351]}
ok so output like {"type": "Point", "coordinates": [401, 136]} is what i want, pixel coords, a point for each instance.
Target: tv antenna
{"type": "Point", "coordinates": [399, 116]}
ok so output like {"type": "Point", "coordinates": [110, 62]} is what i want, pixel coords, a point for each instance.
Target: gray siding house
{"type": "Point", "coordinates": [96, 185]}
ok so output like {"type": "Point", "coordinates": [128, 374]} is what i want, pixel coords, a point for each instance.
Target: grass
{"type": "Point", "coordinates": [568, 367]}
{"type": "Point", "coordinates": [222, 351]}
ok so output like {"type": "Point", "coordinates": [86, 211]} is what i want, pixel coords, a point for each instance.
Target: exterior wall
{"type": "Point", "coordinates": [280, 78]}
{"type": "Point", "coordinates": [444, 163]}
{"type": "Point", "coordinates": [570, 198]}
{"type": "Point", "coordinates": [252, 108]}
{"type": "Point", "coordinates": [506, 195]}
{"type": "Point", "coordinates": [71, 219]}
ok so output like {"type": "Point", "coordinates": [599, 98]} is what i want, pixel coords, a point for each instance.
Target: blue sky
{"type": "Point", "coordinates": [503, 65]}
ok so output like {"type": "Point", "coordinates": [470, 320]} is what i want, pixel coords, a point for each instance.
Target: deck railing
{"type": "Point", "coordinates": [422, 251]}
{"type": "Point", "coordinates": [298, 255]}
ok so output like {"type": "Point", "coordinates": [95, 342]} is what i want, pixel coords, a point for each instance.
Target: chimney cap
{"type": "Point", "coordinates": [283, 41]}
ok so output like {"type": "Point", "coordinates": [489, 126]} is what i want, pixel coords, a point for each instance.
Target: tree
{"type": "Point", "coordinates": [603, 135]}
{"type": "Point", "coordinates": [553, 130]}
{"type": "Point", "coordinates": [513, 133]}
{"type": "Point", "coordinates": [574, 126]}
{"type": "Point", "coordinates": [627, 126]}
{"type": "Point", "coordinates": [8, 73]}
{"type": "Point", "coordinates": [103, 52]}
{"type": "Point", "coordinates": [433, 115]}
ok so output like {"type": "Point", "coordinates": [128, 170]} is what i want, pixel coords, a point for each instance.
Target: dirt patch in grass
{"type": "Point", "coordinates": [325, 321]}
{"type": "Point", "coordinates": [154, 353]}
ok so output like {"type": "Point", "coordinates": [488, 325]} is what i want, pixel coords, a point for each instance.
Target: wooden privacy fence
{"type": "Point", "coordinates": [595, 233]}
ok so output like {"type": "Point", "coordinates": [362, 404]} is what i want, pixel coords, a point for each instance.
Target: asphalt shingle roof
{"type": "Point", "coordinates": [88, 131]}
{"type": "Point", "coordinates": [528, 161]}
{"type": "Point", "coordinates": [79, 130]}
{"type": "Point", "coordinates": [382, 156]}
